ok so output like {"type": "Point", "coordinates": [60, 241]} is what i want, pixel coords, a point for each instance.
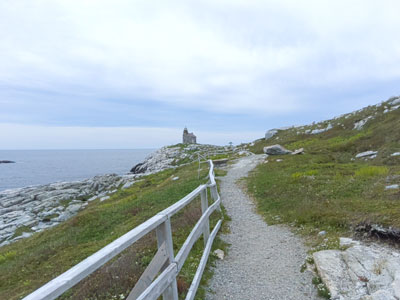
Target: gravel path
{"type": "Point", "coordinates": [263, 261]}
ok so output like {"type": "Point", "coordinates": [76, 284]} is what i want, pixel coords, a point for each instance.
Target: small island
{"type": "Point", "coordinates": [7, 162]}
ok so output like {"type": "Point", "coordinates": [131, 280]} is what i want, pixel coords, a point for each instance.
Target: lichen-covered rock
{"type": "Point", "coordinates": [276, 150]}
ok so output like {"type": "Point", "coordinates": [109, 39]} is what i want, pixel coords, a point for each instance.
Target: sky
{"type": "Point", "coordinates": [133, 73]}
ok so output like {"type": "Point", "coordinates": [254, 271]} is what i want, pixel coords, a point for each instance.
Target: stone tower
{"type": "Point", "coordinates": [188, 138]}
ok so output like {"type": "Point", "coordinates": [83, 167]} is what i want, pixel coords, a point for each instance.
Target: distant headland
{"type": "Point", "coordinates": [7, 162]}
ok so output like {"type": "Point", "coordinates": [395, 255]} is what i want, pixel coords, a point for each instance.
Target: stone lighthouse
{"type": "Point", "coordinates": [188, 138]}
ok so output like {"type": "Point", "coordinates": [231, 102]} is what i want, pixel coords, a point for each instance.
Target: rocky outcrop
{"type": "Point", "coordinates": [360, 272]}
{"type": "Point", "coordinates": [276, 150]}
{"type": "Point", "coordinates": [171, 157]}
{"type": "Point", "coordinates": [33, 209]}
{"type": "Point", "coordinates": [360, 124]}
{"type": "Point", "coordinates": [321, 130]}
{"type": "Point", "coordinates": [7, 162]}
{"type": "Point", "coordinates": [139, 168]}
{"type": "Point", "coordinates": [270, 133]}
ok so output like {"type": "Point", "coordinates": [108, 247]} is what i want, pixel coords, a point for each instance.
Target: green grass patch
{"type": "Point", "coordinates": [372, 171]}
{"type": "Point", "coordinates": [9, 255]}
{"type": "Point", "coordinates": [314, 192]}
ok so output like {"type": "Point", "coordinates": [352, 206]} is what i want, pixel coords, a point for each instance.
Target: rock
{"type": "Point", "coordinates": [92, 198]}
{"type": "Point", "coordinates": [298, 151]}
{"type": "Point", "coordinates": [276, 150]}
{"type": "Point", "coordinates": [7, 162]}
{"type": "Point", "coordinates": [321, 130]}
{"type": "Point", "coordinates": [104, 198]}
{"type": "Point", "coordinates": [369, 154]}
{"type": "Point", "coordinates": [279, 160]}
{"type": "Point", "coordinates": [322, 233]}
{"type": "Point", "coordinates": [127, 185]}
{"type": "Point", "coordinates": [139, 168]}
{"type": "Point", "coordinates": [175, 178]}
{"type": "Point", "coordinates": [396, 154]}
{"type": "Point", "coordinates": [379, 295]}
{"type": "Point", "coordinates": [270, 133]}
{"type": "Point", "coordinates": [61, 218]}
{"type": "Point", "coordinates": [392, 187]}
{"type": "Point", "coordinates": [396, 285]}
{"type": "Point", "coordinates": [74, 208]}
{"type": "Point", "coordinates": [346, 242]}
{"type": "Point", "coordinates": [23, 236]}
{"type": "Point", "coordinates": [360, 124]}
{"type": "Point", "coordinates": [220, 254]}
{"type": "Point", "coordinates": [394, 100]}
{"type": "Point", "coordinates": [33, 206]}
{"type": "Point", "coordinates": [360, 272]}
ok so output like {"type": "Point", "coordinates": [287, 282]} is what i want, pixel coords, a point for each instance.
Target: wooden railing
{"type": "Point", "coordinates": [151, 286]}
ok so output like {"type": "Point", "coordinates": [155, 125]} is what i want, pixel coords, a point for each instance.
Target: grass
{"type": "Point", "coordinates": [29, 263]}
{"type": "Point", "coordinates": [371, 171]}
{"type": "Point", "coordinates": [327, 188]}
{"type": "Point", "coordinates": [316, 192]}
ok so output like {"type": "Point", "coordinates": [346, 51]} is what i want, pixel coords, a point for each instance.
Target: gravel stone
{"type": "Point", "coordinates": [263, 262]}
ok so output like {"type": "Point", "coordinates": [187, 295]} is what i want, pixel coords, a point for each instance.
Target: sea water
{"type": "Point", "coordinates": [37, 167]}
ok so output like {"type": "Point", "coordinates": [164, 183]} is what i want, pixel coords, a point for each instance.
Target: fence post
{"type": "Point", "coordinates": [164, 234]}
{"type": "Point", "coordinates": [204, 206]}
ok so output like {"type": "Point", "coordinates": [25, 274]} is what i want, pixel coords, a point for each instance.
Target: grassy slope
{"type": "Point", "coordinates": [326, 189]}
{"type": "Point", "coordinates": [27, 264]}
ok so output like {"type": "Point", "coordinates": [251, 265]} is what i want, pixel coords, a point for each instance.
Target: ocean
{"type": "Point", "coordinates": [37, 167]}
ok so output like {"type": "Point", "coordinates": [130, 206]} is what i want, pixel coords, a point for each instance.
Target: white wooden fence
{"type": "Point", "coordinates": [150, 286]}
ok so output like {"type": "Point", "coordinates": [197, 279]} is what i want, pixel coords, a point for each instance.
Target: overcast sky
{"type": "Point", "coordinates": [132, 74]}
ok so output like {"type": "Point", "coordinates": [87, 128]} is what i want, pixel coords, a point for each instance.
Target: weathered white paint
{"type": "Point", "coordinates": [160, 284]}
{"type": "Point", "coordinates": [150, 273]}
{"type": "Point", "coordinates": [194, 236]}
{"type": "Point", "coordinates": [199, 273]}
{"type": "Point", "coordinates": [165, 283]}
{"type": "Point", "coordinates": [204, 207]}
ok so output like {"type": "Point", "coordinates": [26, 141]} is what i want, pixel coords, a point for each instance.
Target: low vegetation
{"type": "Point", "coordinates": [328, 188]}
{"type": "Point", "coordinates": [29, 263]}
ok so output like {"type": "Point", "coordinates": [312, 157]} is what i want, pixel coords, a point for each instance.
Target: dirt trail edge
{"type": "Point", "coordinates": [263, 261]}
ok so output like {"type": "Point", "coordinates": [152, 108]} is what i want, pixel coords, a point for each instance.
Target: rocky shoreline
{"type": "Point", "coordinates": [27, 210]}
{"type": "Point", "coordinates": [24, 211]}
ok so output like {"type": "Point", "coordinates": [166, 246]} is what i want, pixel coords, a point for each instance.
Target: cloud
{"type": "Point", "coordinates": [81, 61]}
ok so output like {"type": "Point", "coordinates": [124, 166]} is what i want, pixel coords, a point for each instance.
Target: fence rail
{"type": "Point", "coordinates": [151, 286]}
